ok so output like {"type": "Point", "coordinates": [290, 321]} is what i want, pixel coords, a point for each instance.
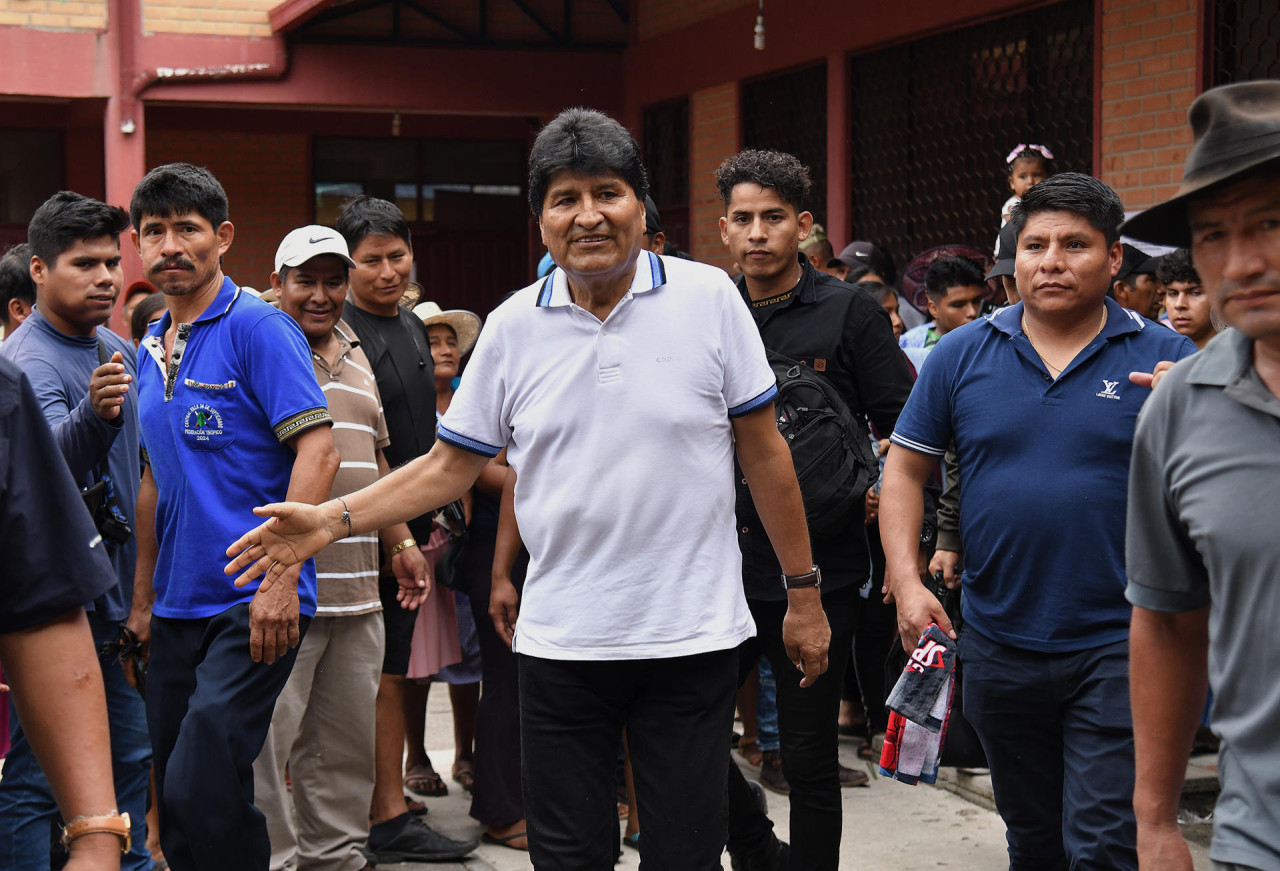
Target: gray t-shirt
{"type": "Point", "coordinates": [1204, 529]}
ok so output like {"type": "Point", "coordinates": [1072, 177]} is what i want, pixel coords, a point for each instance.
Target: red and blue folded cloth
{"type": "Point", "coordinates": [920, 706]}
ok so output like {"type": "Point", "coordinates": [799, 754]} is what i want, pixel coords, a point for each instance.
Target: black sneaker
{"type": "Point", "coordinates": [418, 842]}
{"type": "Point", "coordinates": [777, 857]}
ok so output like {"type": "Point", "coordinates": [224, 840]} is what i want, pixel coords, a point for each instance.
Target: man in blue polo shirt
{"type": "Point", "coordinates": [1038, 401]}
{"type": "Point", "coordinates": [231, 415]}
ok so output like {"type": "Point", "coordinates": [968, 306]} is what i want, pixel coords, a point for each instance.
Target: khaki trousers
{"type": "Point", "coordinates": [323, 727]}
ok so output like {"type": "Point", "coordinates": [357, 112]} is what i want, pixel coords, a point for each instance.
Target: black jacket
{"type": "Point", "coordinates": [840, 331]}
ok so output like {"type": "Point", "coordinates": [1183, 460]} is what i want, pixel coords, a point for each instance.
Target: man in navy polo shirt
{"type": "Point", "coordinates": [1038, 400]}
{"type": "Point", "coordinates": [231, 415]}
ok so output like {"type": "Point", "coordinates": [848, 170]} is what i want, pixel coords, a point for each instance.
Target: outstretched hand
{"type": "Point", "coordinates": [293, 533]}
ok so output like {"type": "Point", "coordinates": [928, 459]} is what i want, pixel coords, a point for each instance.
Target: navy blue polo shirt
{"type": "Point", "coordinates": [241, 385]}
{"type": "Point", "coordinates": [1044, 469]}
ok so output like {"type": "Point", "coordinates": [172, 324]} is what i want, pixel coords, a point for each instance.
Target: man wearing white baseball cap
{"type": "Point", "coordinates": [331, 759]}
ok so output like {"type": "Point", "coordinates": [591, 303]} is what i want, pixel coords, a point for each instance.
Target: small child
{"type": "Point", "coordinates": [1028, 166]}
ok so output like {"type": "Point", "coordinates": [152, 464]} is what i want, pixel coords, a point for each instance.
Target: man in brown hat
{"type": "Point", "coordinates": [1202, 555]}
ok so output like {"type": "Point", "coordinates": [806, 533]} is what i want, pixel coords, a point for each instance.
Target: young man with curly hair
{"type": "Point", "coordinates": [843, 333]}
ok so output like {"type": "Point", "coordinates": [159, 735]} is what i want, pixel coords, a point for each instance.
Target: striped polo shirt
{"type": "Point", "coordinates": [347, 570]}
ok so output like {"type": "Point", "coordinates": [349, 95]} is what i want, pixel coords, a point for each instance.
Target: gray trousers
{"type": "Point", "coordinates": [323, 727]}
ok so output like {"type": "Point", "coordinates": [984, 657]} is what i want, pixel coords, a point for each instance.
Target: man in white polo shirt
{"type": "Point", "coordinates": [621, 385]}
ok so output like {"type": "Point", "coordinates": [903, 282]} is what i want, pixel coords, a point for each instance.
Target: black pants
{"type": "Point", "coordinates": [807, 726]}
{"type": "Point", "coordinates": [496, 798]}
{"type": "Point", "coordinates": [208, 709]}
{"type": "Point", "coordinates": [678, 713]}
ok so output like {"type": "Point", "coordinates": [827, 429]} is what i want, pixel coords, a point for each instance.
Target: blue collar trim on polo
{"type": "Point", "coordinates": [555, 287]}
{"type": "Point", "coordinates": [1120, 320]}
{"type": "Point", "coordinates": [222, 303]}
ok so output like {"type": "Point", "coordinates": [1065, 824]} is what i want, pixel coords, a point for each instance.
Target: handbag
{"type": "Point", "coordinates": [961, 749]}
{"type": "Point", "coordinates": [452, 519]}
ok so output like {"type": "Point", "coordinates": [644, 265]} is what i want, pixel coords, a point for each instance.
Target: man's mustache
{"type": "Point", "coordinates": [175, 263]}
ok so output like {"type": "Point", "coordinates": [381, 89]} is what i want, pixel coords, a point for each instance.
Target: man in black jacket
{"type": "Point", "coordinates": [844, 334]}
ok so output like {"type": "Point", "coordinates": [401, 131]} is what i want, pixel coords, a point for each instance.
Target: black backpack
{"type": "Point", "coordinates": [830, 445]}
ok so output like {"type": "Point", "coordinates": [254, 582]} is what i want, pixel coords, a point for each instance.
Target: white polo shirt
{"type": "Point", "coordinates": [621, 439]}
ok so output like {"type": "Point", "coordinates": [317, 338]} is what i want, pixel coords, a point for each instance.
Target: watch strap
{"type": "Point", "coordinates": [117, 824]}
{"type": "Point", "coordinates": [811, 578]}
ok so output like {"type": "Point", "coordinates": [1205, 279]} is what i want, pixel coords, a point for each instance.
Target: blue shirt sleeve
{"type": "Point", "coordinates": [277, 364]}
{"type": "Point", "coordinates": [925, 423]}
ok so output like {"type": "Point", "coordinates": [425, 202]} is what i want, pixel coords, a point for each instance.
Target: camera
{"type": "Point", "coordinates": [108, 518]}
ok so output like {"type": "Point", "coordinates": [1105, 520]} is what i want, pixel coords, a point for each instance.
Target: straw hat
{"type": "Point", "coordinates": [466, 325]}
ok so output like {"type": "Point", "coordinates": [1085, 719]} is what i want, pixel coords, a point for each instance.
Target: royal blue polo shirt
{"type": "Point", "coordinates": [1044, 469]}
{"type": "Point", "coordinates": [215, 429]}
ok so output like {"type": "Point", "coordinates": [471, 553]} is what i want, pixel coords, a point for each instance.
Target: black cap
{"type": "Point", "coordinates": [1136, 262]}
{"type": "Point", "coordinates": [865, 254]}
{"type": "Point", "coordinates": [652, 220]}
{"type": "Point", "coordinates": [1008, 246]}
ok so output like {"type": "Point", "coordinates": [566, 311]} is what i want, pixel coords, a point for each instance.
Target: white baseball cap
{"type": "Point", "coordinates": [311, 241]}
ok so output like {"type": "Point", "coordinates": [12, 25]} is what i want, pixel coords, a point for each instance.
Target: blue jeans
{"type": "Point", "coordinates": [1058, 733]}
{"type": "Point", "coordinates": [767, 708]}
{"type": "Point", "coordinates": [27, 808]}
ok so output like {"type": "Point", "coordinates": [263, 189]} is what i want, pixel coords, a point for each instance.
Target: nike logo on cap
{"type": "Point", "coordinates": [321, 239]}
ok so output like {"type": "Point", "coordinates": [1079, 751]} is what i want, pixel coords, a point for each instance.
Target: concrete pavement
{"type": "Point", "coordinates": [888, 825]}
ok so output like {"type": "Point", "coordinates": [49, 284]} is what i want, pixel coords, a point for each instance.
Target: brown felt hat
{"type": "Point", "coordinates": [1236, 131]}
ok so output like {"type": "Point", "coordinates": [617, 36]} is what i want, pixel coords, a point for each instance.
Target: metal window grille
{"type": "Point", "coordinates": [1245, 38]}
{"type": "Point", "coordinates": [934, 119]}
{"type": "Point", "coordinates": [788, 113]}
{"type": "Point", "coordinates": [666, 157]}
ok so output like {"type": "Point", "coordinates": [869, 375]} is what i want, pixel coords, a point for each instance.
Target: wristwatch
{"type": "Point", "coordinates": [113, 823]}
{"type": "Point", "coordinates": [812, 578]}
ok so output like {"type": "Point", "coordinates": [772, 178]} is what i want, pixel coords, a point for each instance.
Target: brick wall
{"type": "Point", "coordinates": [219, 17]}
{"type": "Point", "coordinates": [1148, 82]}
{"type": "Point", "coordinates": [55, 14]}
{"type": "Point", "coordinates": [267, 182]}
{"type": "Point", "coordinates": [654, 17]}
{"type": "Point", "coordinates": [714, 135]}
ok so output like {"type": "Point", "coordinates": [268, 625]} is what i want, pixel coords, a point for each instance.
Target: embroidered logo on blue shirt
{"type": "Point", "coordinates": [202, 422]}
{"type": "Point", "coordinates": [1108, 390]}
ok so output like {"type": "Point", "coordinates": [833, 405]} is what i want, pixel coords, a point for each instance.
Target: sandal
{"type": "Point", "coordinates": [506, 841]}
{"type": "Point", "coordinates": [424, 780]}
{"type": "Point", "coordinates": [464, 774]}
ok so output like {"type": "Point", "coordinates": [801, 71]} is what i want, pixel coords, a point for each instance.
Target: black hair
{"type": "Point", "coordinates": [855, 273]}
{"type": "Point", "coordinates": [1177, 266]}
{"type": "Point", "coordinates": [948, 272]}
{"type": "Point", "coordinates": [879, 292]}
{"type": "Point", "coordinates": [15, 278]}
{"type": "Point", "coordinates": [364, 215]}
{"type": "Point", "coordinates": [178, 188]}
{"type": "Point", "coordinates": [1077, 193]}
{"type": "Point", "coordinates": [788, 177]}
{"type": "Point", "coordinates": [67, 218]}
{"type": "Point", "coordinates": [146, 311]}
{"type": "Point", "coordinates": [1028, 153]}
{"type": "Point", "coordinates": [587, 141]}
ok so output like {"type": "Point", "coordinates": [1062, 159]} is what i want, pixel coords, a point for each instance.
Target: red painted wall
{"type": "Point", "coordinates": [268, 184]}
